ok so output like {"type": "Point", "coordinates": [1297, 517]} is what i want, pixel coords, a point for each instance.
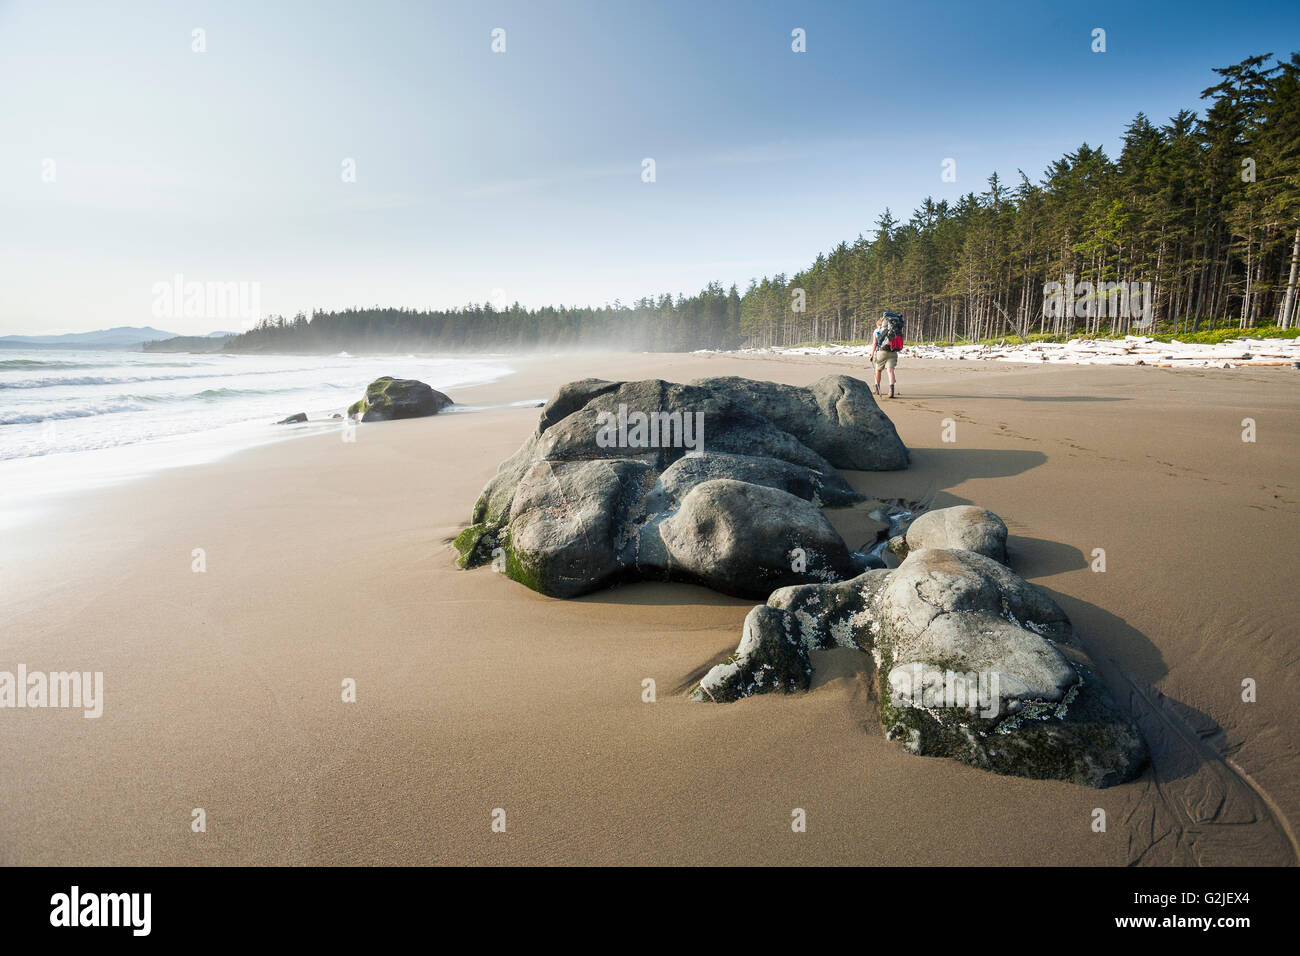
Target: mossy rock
{"type": "Point", "coordinates": [475, 545]}
{"type": "Point", "coordinates": [519, 568]}
{"type": "Point", "coordinates": [770, 657]}
{"type": "Point", "coordinates": [388, 399]}
{"type": "Point", "coordinates": [1084, 739]}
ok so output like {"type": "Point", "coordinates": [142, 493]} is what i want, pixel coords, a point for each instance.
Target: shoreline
{"type": "Point", "coordinates": [28, 483]}
{"type": "Point", "coordinates": [327, 560]}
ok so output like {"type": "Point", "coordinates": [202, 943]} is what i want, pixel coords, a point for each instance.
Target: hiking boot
{"type": "Point", "coordinates": [877, 390]}
{"type": "Point", "coordinates": [891, 391]}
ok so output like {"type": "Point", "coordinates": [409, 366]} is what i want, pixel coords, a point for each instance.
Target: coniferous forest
{"type": "Point", "coordinates": [1205, 207]}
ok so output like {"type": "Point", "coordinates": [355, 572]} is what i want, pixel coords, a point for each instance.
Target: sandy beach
{"type": "Point", "coordinates": [328, 560]}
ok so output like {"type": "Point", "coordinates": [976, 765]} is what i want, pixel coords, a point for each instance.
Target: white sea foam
{"type": "Point", "coordinates": [72, 419]}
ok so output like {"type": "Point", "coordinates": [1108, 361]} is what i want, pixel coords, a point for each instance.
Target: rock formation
{"type": "Point", "coordinates": [390, 398]}
{"type": "Point", "coordinates": [965, 527]}
{"type": "Point", "coordinates": [719, 482]}
{"type": "Point", "coordinates": [972, 663]}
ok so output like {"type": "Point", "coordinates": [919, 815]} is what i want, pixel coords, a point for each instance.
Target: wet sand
{"type": "Point", "coordinates": [328, 560]}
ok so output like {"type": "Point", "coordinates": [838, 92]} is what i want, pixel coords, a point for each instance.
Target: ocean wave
{"type": "Point", "coordinates": [56, 381]}
{"type": "Point", "coordinates": [207, 395]}
{"type": "Point", "coordinates": [36, 363]}
{"type": "Point", "coordinates": [35, 418]}
{"type": "Point", "coordinates": [131, 403]}
{"type": "Point", "coordinates": [93, 380]}
{"type": "Point", "coordinates": [47, 363]}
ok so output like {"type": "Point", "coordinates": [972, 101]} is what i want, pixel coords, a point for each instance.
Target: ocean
{"type": "Point", "coordinates": [72, 418]}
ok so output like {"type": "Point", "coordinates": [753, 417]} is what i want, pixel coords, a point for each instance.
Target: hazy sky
{"type": "Point", "coordinates": [518, 175]}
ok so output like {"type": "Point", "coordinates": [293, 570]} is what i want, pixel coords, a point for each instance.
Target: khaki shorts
{"type": "Point", "coordinates": [885, 357]}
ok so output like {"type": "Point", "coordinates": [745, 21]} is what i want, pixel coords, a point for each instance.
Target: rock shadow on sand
{"type": "Point", "coordinates": [934, 470]}
{"type": "Point", "coordinates": [1193, 806]}
{"type": "Point", "coordinates": [1038, 557]}
{"type": "Point", "coordinates": [662, 594]}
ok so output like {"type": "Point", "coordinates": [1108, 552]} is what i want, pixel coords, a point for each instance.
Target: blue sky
{"type": "Point", "coordinates": [517, 175]}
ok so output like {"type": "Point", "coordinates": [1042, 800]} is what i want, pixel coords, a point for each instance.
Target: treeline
{"type": "Point", "coordinates": [1202, 212]}
{"type": "Point", "coordinates": [186, 343]}
{"type": "Point", "coordinates": [1206, 210]}
{"type": "Point", "coordinates": [710, 319]}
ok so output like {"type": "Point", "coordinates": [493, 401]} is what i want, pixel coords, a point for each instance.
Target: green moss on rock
{"type": "Point", "coordinates": [520, 570]}
{"type": "Point", "coordinates": [1085, 739]}
{"type": "Point", "coordinates": [475, 545]}
{"type": "Point", "coordinates": [390, 398]}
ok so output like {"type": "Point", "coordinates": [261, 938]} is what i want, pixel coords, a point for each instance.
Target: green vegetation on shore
{"type": "Point", "coordinates": [1203, 208]}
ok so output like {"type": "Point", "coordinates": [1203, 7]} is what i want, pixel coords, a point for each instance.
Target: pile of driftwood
{"type": "Point", "coordinates": [1131, 350]}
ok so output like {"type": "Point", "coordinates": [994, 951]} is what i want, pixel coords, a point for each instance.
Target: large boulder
{"type": "Point", "coordinates": [725, 496]}
{"type": "Point", "coordinates": [745, 539]}
{"type": "Point", "coordinates": [936, 582]}
{"type": "Point", "coordinates": [569, 523]}
{"type": "Point", "coordinates": [593, 419]}
{"type": "Point", "coordinates": [391, 398]}
{"type": "Point", "coordinates": [661, 422]}
{"type": "Point", "coordinates": [979, 665]}
{"type": "Point", "coordinates": [836, 416]}
{"type": "Point", "coordinates": [820, 488]}
{"type": "Point", "coordinates": [570, 426]}
{"type": "Point", "coordinates": [963, 527]}
{"type": "Point", "coordinates": [972, 662]}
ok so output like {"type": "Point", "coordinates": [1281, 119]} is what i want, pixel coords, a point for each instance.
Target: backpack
{"type": "Point", "coordinates": [893, 337]}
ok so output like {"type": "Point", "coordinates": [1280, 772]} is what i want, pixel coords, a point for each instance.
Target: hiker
{"type": "Point", "coordinates": [885, 346]}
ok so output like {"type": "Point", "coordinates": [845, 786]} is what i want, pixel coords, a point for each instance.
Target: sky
{"type": "Point", "coordinates": [131, 160]}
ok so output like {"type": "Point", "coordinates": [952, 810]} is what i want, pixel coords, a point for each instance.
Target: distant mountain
{"type": "Point", "coordinates": [122, 337]}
